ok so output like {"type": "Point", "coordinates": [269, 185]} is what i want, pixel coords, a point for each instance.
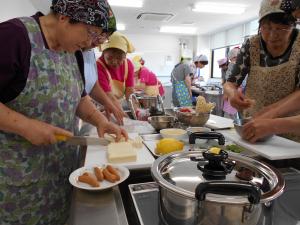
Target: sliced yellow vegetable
{"type": "Point", "coordinates": [167, 145]}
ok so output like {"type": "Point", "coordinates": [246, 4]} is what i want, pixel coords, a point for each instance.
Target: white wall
{"type": "Point", "coordinates": [203, 47]}
{"type": "Point", "coordinates": [160, 52]}
{"type": "Point", "coordinates": [16, 8]}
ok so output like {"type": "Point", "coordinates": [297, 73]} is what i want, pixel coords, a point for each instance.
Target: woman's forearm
{"type": "Point", "coordinates": [128, 92]}
{"type": "Point", "coordinates": [114, 100]}
{"type": "Point", "coordinates": [286, 106]}
{"type": "Point", "coordinates": [230, 89]}
{"type": "Point", "coordinates": [188, 83]}
{"type": "Point", "coordinates": [99, 95]}
{"type": "Point", "coordinates": [12, 121]}
{"type": "Point", "coordinates": [88, 112]}
{"type": "Point", "coordinates": [282, 108]}
{"type": "Point", "coordinates": [287, 125]}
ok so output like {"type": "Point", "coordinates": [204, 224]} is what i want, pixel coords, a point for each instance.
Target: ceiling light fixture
{"type": "Point", "coordinates": [121, 26]}
{"type": "Point", "coordinates": [178, 30]}
{"type": "Point", "coordinates": [127, 3]}
{"type": "Point", "coordinates": [220, 8]}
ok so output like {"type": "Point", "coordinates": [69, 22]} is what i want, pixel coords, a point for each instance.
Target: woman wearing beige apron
{"type": "Point", "coordinates": [271, 61]}
{"type": "Point", "coordinates": [115, 72]}
{"type": "Point", "coordinates": [275, 118]}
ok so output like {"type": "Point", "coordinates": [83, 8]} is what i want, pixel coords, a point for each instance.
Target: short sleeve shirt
{"type": "Point", "coordinates": [180, 71]}
{"type": "Point", "coordinates": [15, 58]}
{"type": "Point", "coordinates": [116, 74]}
{"type": "Point", "coordinates": [90, 70]}
{"type": "Point", "coordinates": [238, 71]}
{"type": "Point", "coordinates": [147, 77]}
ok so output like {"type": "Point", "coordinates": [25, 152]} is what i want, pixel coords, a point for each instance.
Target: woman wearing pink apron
{"type": "Point", "coordinates": [115, 71]}
{"type": "Point", "coordinates": [147, 81]}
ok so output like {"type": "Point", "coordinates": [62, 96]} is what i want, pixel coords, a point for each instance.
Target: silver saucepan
{"type": "Point", "coordinates": [204, 188]}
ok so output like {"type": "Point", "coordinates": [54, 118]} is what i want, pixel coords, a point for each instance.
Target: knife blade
{"type": "Point", "coordinates": [83, 140]}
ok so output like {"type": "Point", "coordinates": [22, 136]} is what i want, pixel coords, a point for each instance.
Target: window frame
{"type": "Point", "coordinates": [227, 49]}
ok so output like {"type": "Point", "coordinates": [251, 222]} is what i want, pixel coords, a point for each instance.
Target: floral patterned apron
{"type": "Point", "coordinates": [117, 87]}
{"type": "Point", "coordinates": [267, 85]}
{"type": "Point", "coordinates": [34, 187]}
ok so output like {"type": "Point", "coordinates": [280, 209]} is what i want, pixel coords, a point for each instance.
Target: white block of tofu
{"type": "Point", "coordinates": [121, 152]}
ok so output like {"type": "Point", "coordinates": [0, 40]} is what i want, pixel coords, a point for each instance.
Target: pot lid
{"type": "Point", "coordinates": [224, 177]}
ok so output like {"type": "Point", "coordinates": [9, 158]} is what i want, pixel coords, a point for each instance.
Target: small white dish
{"type": "Point", "coordinates": [175, 133]}
{"type": "Point", "coordinates": [73, 178]}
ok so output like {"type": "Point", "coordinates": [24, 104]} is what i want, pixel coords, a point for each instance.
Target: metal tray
{"type": "Point", "coordinates": [150, 141]}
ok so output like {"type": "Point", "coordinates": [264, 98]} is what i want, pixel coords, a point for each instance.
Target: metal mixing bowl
{"type": "Point", "coordinates": [161, 122]}
{"type": "Point", "coordinates": [238, 125]}
{"type": "Point", "coordinates": [192, 119]}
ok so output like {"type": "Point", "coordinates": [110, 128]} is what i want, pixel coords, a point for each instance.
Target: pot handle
{"type": "Point", "coordinates": [228, 188]}
{"type": "Point", "coordinates": [207, 135]}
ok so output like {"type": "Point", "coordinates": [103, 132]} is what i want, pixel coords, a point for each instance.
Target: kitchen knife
{"type": "Point", "coordinates": [83, 140]}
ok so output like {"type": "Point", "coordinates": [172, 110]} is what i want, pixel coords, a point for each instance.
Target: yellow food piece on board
{"type": "Point", "coordinates": [167, 145]}
{"type": "Point", "coordinates": [215, 150]}
{"type": "Point", "coordinates": [121, 152]}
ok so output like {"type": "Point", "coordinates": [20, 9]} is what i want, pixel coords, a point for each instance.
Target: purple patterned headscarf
{"type": "Point", "coordinates": [92, 12]}
{"type": "Point", "coordinates": [290, 6]}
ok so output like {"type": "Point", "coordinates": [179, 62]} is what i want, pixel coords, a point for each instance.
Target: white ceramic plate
{"type": "Point", "coordinates": [73, 178]}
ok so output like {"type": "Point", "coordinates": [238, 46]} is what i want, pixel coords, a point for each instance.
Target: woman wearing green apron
{"type": "Point", "coordinates": [41, 83]}
{"type": "Point", "coordinates": [271, 60]}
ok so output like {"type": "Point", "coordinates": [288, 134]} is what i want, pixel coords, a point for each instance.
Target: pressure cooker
{"type": "Point", "coordinates": [205, 188]}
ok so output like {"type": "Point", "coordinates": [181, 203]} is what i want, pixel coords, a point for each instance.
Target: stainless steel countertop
{"type": "Point", "coordinates": [97, 208]}
{"type": "Point", "coordinates": [102, 207]}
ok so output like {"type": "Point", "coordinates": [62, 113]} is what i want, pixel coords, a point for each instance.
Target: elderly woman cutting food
{"type": "Point", "coordinates": [271, 60]}
{"type": "Point", "coordinates": [41, 94]}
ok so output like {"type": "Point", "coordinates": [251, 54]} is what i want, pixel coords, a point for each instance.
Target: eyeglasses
{"type": "Point", "coordinates": [280, 31]}
{"type": "Point", "coordinates": [96, 36]}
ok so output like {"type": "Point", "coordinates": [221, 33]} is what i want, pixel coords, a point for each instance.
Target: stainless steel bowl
{"type": "Point", "coordinates": [148, 102]}
{"type": "Point", "coordinates": [161, 122]}
{"type": "Point", "coordinates": [192, 119]}
{"type": "Point", "coordinates": [238, 125]}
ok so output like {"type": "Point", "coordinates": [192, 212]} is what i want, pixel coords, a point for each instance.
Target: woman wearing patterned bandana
{"type": "Point", "coordinates": [271, 60]}
{"type": "Point", "coordinates": [41, 93]}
